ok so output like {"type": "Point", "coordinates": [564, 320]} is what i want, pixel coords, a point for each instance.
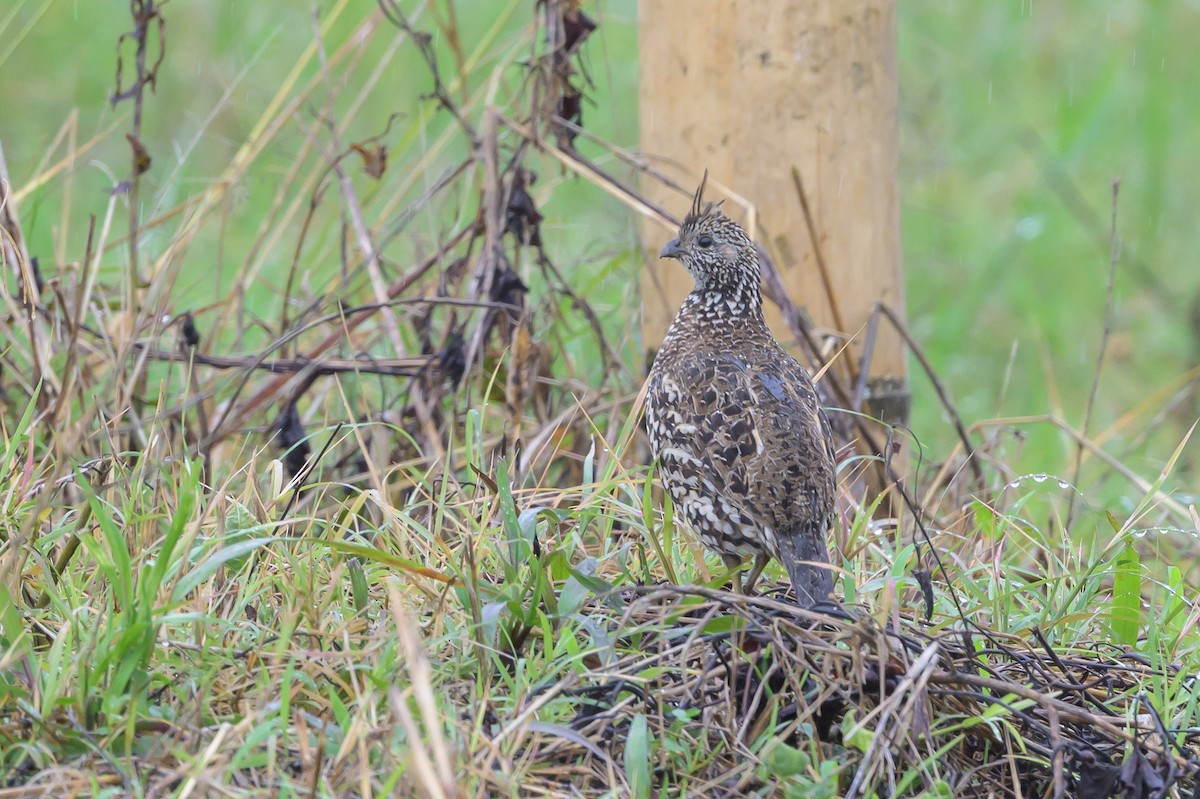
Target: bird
{"type": "Point", "coordinates": [743, 446]}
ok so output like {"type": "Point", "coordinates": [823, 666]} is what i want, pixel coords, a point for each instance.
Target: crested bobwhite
{"type": "Point", "coordinates": [743, 446]}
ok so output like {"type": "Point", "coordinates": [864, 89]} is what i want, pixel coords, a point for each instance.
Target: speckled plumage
{"type": "Point", "coordinates": [743, 446]}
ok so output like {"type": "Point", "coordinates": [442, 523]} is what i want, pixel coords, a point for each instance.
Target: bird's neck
{"type": "Point", "coordinates": [734, 304]}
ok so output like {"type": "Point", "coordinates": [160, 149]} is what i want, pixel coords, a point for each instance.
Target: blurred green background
{"type": "Point", "coordinates": [1016, 118]}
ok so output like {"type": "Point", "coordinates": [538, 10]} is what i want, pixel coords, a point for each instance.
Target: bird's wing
{"type": "Point", "coordinates": [752, 433]}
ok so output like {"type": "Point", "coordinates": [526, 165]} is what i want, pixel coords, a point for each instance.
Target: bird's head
{"type": "Point", "coordinates": [714, 249]}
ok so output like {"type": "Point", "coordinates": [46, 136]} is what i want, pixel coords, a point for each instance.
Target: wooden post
{"type": "Point", "coordinates": [749, 90]}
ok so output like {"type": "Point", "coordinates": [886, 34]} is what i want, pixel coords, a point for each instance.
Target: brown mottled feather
{"type": "Point", "coordinates": [743, 446]}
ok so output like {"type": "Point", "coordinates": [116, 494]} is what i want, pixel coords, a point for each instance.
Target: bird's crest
{"type": "Point", "coordinates": [700, 209]}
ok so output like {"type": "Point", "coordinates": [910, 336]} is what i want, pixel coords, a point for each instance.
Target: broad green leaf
{"type": "Point", "coordinates": [358, 586]}
{"type": "Point", "coordinates": [787, 761]}
{"type": "Point", "coordinates": [1126, 608]}
{"type": "Point", "coordinates": [854, 735]}
{"type": "Point", "coordinates": [574, 592]}
{"type": "Point", "coordinates": [637, 758]}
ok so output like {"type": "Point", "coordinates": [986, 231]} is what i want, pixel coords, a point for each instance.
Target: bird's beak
{"type": "Point", "coordinates": [672, 250]}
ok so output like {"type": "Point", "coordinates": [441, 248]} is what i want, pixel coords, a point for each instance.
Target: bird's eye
{"type": "Point", "coordinates": [705, 241]}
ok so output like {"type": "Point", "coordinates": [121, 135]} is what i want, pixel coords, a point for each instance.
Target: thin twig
{"type": "Point", "coordinates": [424, 42]}
{"type": "Point", "coordinates": [938, 387]}
{"type": "Point", "coordinates": [1114, 256]}
{"type": "Point", "coordinates": [269, 391]}
{"type": "Point", "coordinates": [815, 240]}
{"type": "Point", "coordinates": [411, 366]}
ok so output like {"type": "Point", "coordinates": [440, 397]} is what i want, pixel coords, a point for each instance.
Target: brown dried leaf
{"type": "Point", "coordinates": [374, 159]}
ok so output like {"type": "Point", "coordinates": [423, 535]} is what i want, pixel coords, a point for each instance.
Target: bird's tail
{"type": "Point", "coordinates": [806, 558]}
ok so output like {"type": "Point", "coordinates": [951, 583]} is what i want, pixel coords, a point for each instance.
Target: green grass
{"type": "Point", "coordinates": [1013, 126]}
{"type": "Point", "coordinates": [497, 621]}
{"type": "Point", "coordinates": [202, 637]}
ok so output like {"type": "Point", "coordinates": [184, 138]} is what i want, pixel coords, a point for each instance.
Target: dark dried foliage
{"type": "Point", "coordinates": [792, 674]}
